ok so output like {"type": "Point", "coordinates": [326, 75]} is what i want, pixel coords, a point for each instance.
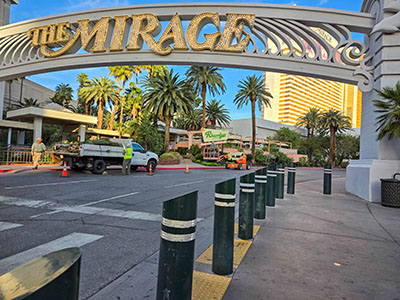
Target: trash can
{"type": "Point", "coordinates": [390, 191]}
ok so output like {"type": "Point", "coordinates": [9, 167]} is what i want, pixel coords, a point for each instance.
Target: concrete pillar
{"type": "Point", "coordinates": [190, 135]}
{"type": "Point", "coordinates": [4, 19]}
{"type": "Point", "coordinates": [378, 159]}
{"type": "Point", "coordinates": [20, 137]}
{"type": "Point", "coordinates": [37, 128]}
{"type": "Point", "coordinates": [63, 133]}
{"type": "Point", "coordinates": [82, 132]}
{"type": "Point", "coordinates": [9, 137]}
{"type": "Point", "coordinates": [2, 96]}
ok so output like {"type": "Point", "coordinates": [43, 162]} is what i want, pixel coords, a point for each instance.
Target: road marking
{"type": "Point", "coordinates": [47, 184]}
{"type": "Point", "coordinates": [5, 225]}
{"type": "Point", "coordinates": [74, 239]}
{"type": "Point", "coordinates": [112, 198]}
{"type": "Point", "coordinates": [25, 202]}
{"type": "Point", "coordinates": [182, 184]}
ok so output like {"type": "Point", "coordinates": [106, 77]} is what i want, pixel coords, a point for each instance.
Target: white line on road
{"type": "Point", "coordinates": [74, 239]}
{"type": "Point", "coordinates": [46, 184]}
{"type": "Point", "coordinates": [5, 225]}
{"type": "Point", "coordinates": [112, 198]}
{"type": "Point", "coordinates": [182, 184]}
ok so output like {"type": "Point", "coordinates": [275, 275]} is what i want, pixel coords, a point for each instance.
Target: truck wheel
{"type": "Point", "coordinates": [99, 166]}
{"type": "Point", "coordinates": [248, 166]}
{"type": "Point", "coordinates": [153, 164]}
{"type": "Point", "coordinates": [134, 168]}
{"type": "Point", "coordinates": [240, 166]}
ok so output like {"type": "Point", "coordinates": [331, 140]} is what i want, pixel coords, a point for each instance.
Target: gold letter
{"type": "Point", "coordinates": [34, 34]}
{"type": "Point", "coordinates": [196, 25]}
{"type": "Point", "coordinates": [235, 29]}
{"type": "Point", "coordinates": [62, 34]}
{"type": "Point", "coordinates": [119, 30]}
{"type": "Point", "coordinates": [142, 31]}
{"type": "Point", "coordinates": [48, 35]}
{"type": "Point", "coordinates": [99, 31]}
{"type": "Point", "coordinates": [172, 34]}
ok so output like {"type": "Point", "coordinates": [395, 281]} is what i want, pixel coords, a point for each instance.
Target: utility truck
{"type": "Point", "coordinates": [96, 156]}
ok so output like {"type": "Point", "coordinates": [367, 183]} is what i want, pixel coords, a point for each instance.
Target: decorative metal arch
{"type": "Point", "coordinates": [297, 40]}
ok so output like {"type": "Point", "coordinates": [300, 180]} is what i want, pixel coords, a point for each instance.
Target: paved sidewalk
{"type": "Point", "coordinates": [311, 246]}
{"type": "Point", "coordinates": [315, 246]}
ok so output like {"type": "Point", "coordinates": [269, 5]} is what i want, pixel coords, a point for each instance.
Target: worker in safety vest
{"type": "Point", "coordinates": [126, 164]}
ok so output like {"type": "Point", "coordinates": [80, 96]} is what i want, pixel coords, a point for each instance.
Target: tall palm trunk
{"type": "Point", "coordinates": [100, 114]}
{"type": "Point", "coordinates": [114, 111]}
{"type": "Point", "coordinates": [166, 136]}
{"type": "Point", "coordinates": [253, 130]}
{"type": "Point", "coordinates": [308, 133]}
{"type": "Point", "coordinates": [203, 96]}
{"type": "Point", "coordinates": [122, 104]}
{"type": "Point", "coordinates": [332, 146]}
{"type": "Point", "coordinates": [86, 108]}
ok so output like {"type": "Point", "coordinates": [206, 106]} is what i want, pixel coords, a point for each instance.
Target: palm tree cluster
{"type": "Point", "coordinates": [332, 121]}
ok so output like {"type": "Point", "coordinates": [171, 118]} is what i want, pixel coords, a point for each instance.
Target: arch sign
{"type": "Point", "coordinates": [298, 40]}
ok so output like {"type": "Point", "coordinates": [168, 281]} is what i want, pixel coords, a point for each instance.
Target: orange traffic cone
{"type": "Point", "coordinates": [150, 170]}
{"type": "Point", "coordinates": [187, 169]}
{"type": "Point", "coordinates": [64, 172]}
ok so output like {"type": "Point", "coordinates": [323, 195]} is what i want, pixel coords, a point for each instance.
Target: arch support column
{"type": "Point", "coordinates": [378, 159]}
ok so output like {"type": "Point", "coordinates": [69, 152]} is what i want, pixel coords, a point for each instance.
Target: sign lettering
{"type": "Point", "coordinates": [57, 39]}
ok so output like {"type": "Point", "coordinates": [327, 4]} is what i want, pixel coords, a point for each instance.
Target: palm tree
{"type": "Point", "coordinates": [82, 78]}
{"type": "Point", "coordinates": [167, 95]}
{"type": "Point", "coordinates": [122, 74]}
{"type": "Point", "coordinates": [100, 90]}
{"type": "Point", "coordinates": [335, 122]}
{"type": "Point", "coordinates": [29, 102]}
{"type": "Point", "coordinates": [389, 109]}
{"type": "Point", "coordinates": [134, 97]}
{"type": "Point", "coordinates": [192, 120]}
{"type": "Point", "coordinates": [217, 113]}
{"type": "Point", "coordinates": [252, 89]}
{"type": "Point", "coordinates": [206, 78]}
{"type": "Point", "coordinates": [63, 96]}
{"type": "Point", "coordinates": [310, 121]}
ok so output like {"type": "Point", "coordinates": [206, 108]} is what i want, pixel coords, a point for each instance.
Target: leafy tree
{"type": "Point", "coordinates": [206, 78]}
{"type": "Point", "coordinates": [63, 96]}
{"type": "Point", "coordinates": [29, 102]}
{"type": "Point", "coordinates": [168, 95]}
{"type": "Point", "coordinates": [102, 91]}
{"type": "Point", "coordinates": [315, 147]}
{"type": "Point", "coordinates": [310, 121]}
{"type": "Point", "coordinates": [348, 147]}
{"type": "Point", "coordinates": [252, 90]}
{"type": "Point", "coordinates": [334, 122]}
{"type": "Point", "coordinates": [285, 134]}
{"type": "Point", "coordinates": [217, 114]}
{"type": "Point", "coordinates": [388, 108]}
{"type": "Point", "coordinates": [122, 74]}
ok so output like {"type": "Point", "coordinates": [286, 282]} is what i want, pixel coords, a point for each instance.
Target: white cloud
{"type": "Point", "coordinates": [322, 2]}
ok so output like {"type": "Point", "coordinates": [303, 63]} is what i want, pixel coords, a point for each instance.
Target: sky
{"type": "Point", "coordinates": [31, 9]}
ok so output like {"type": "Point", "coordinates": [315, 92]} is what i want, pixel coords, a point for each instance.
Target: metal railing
{"type": "Point", "coordinates": [21, 155]}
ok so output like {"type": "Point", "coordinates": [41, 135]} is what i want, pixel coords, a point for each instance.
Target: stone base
{"type": "Point", "coordinates": [363, 177]}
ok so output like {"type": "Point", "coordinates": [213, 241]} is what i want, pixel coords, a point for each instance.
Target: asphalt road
{"type": "Point", "coordinates": [115, 219]}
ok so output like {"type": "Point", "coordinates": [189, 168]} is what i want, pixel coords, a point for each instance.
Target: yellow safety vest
{"type": "Point", "coordinates": [128, 153]}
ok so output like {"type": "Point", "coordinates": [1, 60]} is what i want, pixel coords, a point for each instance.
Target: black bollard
{"type": "Point", "coordinates": [52, 276]}
{"type": "Point", "coordinates": [280, 181]}
{"type": "Point", "coordinates": [271, 183]}
{"type": "Point", "coordinates": [291, 178]}
{"type": "Point", "coordinates": [246, 207]}
{"type": "Point", "coordinates": [175, 266]}
{"type": "Point", "coordinates": [224, 224]}
{"type": "Point", "coordinates": [327, 179]}
{"type": "Point", "coordinates": [260, 193]}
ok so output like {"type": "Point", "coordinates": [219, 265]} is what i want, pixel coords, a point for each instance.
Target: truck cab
{"type": "Point", "coordinates": [143, 158]}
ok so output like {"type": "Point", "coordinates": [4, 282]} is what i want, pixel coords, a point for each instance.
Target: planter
{"type": "Point", "coordinates": [168, 161]}
{"type": "Point", "coordinates": [390, 191]}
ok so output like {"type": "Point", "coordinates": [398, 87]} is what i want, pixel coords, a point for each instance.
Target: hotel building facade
{"type": "Point", "coordinates": [294, 95]}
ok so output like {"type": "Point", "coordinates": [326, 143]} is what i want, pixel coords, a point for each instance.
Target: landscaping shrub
{"type": "Point", "coordinates": [171, 155]}
{"type": "Point", "coordinates": [198, 156]}
{"type": "Point", "coordinates": [195, 150]}
{"type": "Point", "coordinates": [209, 164]}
